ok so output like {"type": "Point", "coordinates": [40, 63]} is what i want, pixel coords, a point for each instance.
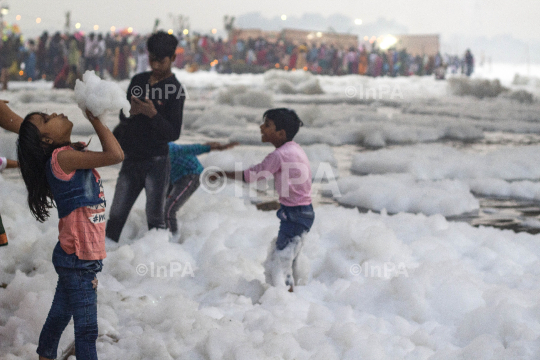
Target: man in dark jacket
{"type": "Point", "coordinates": [157, 102]}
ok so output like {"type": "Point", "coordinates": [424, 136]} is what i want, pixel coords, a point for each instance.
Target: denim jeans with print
{"type": "Point", "coordinates": [75, 296]}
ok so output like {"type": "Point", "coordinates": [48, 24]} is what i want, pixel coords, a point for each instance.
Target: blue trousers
{"type": "Point", "coordinates": [75, 297]}
{"type": "Point", "coordinates": [295, 221]}
{"type": "Point", "coordinates": [152, 175]}
{"type": "Point", "coordinates": [281, 264]}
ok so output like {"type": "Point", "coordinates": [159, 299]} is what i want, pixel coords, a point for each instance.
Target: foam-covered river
{"type": "Point", "coordinates": [414, 277]}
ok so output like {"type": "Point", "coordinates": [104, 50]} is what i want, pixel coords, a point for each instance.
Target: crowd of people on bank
{"type": "Point", "coordinates": [327, 59]}
{"type": "Point", "coordinates": [62, 58]}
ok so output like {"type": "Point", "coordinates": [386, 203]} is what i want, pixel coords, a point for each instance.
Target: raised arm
{"type": "Point", "coordinates": [193, 149]}
{"type": "Point", "coordinates": [112, 152]}
{"type": "Point", "coordinates": [8, 119]}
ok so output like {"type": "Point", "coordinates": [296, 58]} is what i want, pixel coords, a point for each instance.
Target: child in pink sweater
{"type": "Point", "coordinates": [289, 166]}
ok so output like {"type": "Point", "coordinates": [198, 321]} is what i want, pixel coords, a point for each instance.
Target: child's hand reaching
{"type": "Point", "coordinates": [213, 145]}
{"type": "Point", "coordinates": [229, 145]}
{"type": "Point", "coordinates": [219, 146]}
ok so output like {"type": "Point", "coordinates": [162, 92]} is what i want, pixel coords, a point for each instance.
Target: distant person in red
{"type": "Point", "coordinates": [261, 56]}
{"type": "Point", "coordinates": [292, 59]}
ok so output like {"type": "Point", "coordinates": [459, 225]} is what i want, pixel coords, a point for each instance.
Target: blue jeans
{"type": "Point", "coordinates": [295, 221]}
{"type": "Point", "coordinates": [75, 297]}
{"type": "Point", "coordinates": [152, 175]}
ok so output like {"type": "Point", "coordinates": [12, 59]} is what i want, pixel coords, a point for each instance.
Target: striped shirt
{"type": "Point", "coordinates": [184, 160]}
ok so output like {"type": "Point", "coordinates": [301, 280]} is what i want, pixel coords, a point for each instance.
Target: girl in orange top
{"type": "Point", "coordinates": [54, 168]}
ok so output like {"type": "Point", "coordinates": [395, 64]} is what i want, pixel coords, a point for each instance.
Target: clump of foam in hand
{"type": "Point", "coordinates": [100, 96]}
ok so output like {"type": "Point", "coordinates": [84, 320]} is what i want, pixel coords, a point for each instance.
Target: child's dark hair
{"type": "Point", "coordinates": [162, 45]}
{"type": "Point", "coordinates": [32, 154]}
{"type": "Point", "coordinates": [285, 119]}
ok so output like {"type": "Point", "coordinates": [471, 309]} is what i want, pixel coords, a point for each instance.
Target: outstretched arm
{"type": "Point", "coordinates": [12, 164]}
{"type": "Point", "coordinates": [7, 163]}
{"type": "Point", "coordinates": [220, 147]}
{"type": "Point", "coordinates": [112, 152]}
{"type": "Point", "coordinates": [8, 119]}
{"type": "Point", "coordinates": [235, 175]}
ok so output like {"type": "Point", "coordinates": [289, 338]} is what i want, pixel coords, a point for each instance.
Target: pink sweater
{"type": "Point", "coordinates": [290, 168]}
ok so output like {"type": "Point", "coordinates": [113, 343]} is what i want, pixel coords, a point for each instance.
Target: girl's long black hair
{"type": "Point", "coordinates": [33, 154]}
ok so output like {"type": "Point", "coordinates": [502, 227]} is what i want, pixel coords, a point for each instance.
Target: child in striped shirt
{"type": "Point", "coordinates": [185, 172]}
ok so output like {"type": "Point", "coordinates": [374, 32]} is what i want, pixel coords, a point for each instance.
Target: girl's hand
{"type": "Point", "coordinates": [91, 116]}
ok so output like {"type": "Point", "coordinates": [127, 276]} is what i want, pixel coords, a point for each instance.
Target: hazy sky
{"type": "Point", "coordinates": [519, 18]}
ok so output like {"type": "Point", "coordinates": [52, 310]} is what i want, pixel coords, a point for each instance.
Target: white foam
{"type": "Point", "coordinates": [462, 292]}
{"type": "Point", "coordinates": [100, 96]}
{"type": "Point", "coordinates": [403, 193]}
{"type": "Point", "coordinates": [436, 161]}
